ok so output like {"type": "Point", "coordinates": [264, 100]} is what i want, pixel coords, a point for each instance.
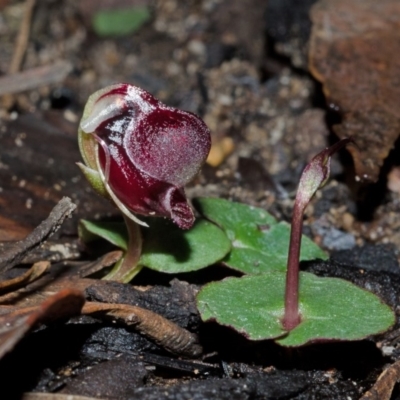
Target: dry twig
{"type": "Point", "coordinates": [55, 396]}
{"type": "Point", "coordinates": [165, 333]}
{"type": "Point", "coordinates": [383, 388]}
{"type": "Point", "coordinates": [14, 254]}
{"type": "Point", "coordinates": [20, 46]}
{"type": "Point", "coordinates": [23, 38]}
{"type": "Point", "coordinates": [35, 77]}
{"type": "Point", "coordinates": [32, 274]}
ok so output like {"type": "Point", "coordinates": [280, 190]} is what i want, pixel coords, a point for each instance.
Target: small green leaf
{"type": "Point", "coordinates": [166, 247]}
{"type": "Point", "coordinates": [169, 249]}
{"type": "Point", "coordinates": [259, 242]}
{"type": "Point", "coordinates": [113, 232]}
{"type": "Point", "coordinates": [120, 22]}
{"type": "Point", "coordinates": [331, 308]}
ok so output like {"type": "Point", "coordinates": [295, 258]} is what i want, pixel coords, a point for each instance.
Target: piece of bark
{"type": "Point", "coordinates": [180, 297]}
{"type": "Point", "coordinates": [112, 379]}
{"type": "Point", "coordinates": [53, 250]}
{"type": "Point", "coordinates": [13, 255]}
{"type": "Point", "coordinates": [352, 50]}
{"type": "Point", "coordinates": [278, 385]}
{"type": "Point", "coordinates": [196, 368]}
{"type": "Point", "coordinates": [37, 169]}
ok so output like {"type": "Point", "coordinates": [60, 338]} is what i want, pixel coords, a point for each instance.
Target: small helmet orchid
{"type": "Point", "coordinates": [140, 153]}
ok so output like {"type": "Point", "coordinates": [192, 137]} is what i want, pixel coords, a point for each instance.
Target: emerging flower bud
{"type": "Point", "coordinates": [140, 152]}
{"type": "Point", "coordinates": [315, 175]}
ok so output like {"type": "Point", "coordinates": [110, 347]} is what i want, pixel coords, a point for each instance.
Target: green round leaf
{"type": "Point", "coordinates": [259, 243]}
{"type": "Point", "coordinates": [335, 309]}
{"type": "Point", "coordinates": [167, 248]}
{"type": "Point", "coordinates": [113, 232]}
{"type": "Point", "coordinates": [331, 308]}
{"type": "Point", "coordinates": [245, 304]}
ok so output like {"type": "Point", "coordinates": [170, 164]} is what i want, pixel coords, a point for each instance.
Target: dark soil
{"type": "Point", "coordinates": [242, 66]}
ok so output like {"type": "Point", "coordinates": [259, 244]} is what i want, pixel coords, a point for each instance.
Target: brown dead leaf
{"type": "Point", "coordinates": [353, 50]}
{"type": "Point", "coordinates": [382, 390]}
{"type": "Point", "coordinates": [36, 292]}
{"type": "Point", "coordinates": [60, 276]}
{"type": "Point", "coordinates": [19, 321]}
{"type": "Point", "coordinates": [107, 260]}
{"type": "Point", "coordinates": [33, 273]}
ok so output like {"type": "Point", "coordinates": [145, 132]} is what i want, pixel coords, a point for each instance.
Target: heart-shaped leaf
{"type": "Point", "coordinates": [166, 247]}
{"type": "Point", "coordinates": [331, 308]}
{"type": "Point", "coordinates": [170, 249]}
{"type": "Point", "coordinates": [259, 242]}
{"type": "Point", "coordinates": [113, 232]}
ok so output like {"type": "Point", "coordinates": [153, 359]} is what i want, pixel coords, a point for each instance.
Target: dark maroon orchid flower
{"type": "Point", "coordinates": [140, 152]}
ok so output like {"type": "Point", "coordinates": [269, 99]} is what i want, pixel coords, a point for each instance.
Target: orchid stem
{"type": "Point", "coordinates": [132, 256]}
{"type": "Point", "coordinates": [129, 265]}
{"type": "Point", "coordinates": [292, 317]}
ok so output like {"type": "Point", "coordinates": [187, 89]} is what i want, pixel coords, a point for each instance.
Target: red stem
{"type": "Point", "coordinates": [292, 317]}
{"type": "Point", "coordinates": [129, 266]}
{"type": "Point", "coordinates": [132, 256]}
{"type": "Point", "coordinates": [313, 177]}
